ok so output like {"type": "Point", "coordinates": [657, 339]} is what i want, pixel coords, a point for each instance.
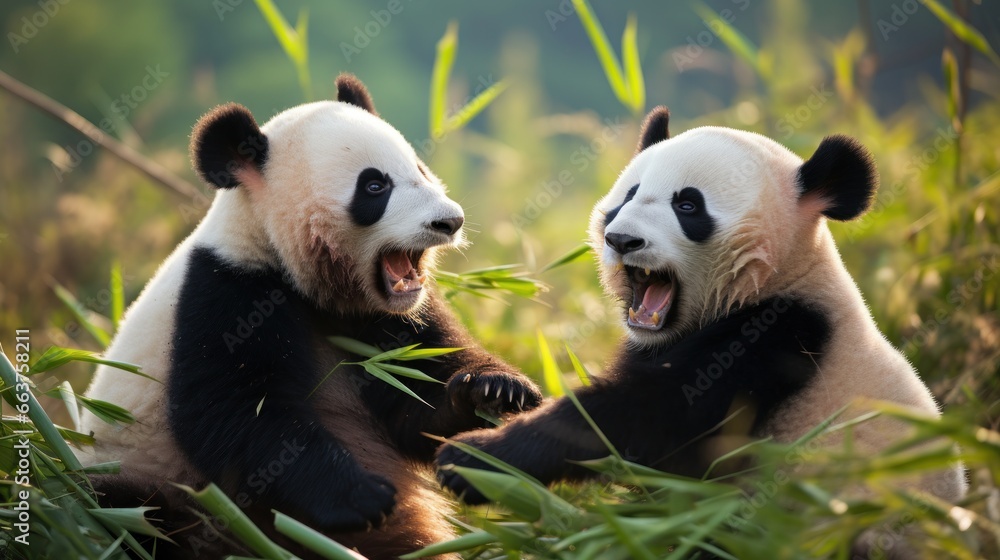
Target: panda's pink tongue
{"type": "Point", "coordinates": [654, 306]}
{"type": "Point", "coordinates": [398, 264]}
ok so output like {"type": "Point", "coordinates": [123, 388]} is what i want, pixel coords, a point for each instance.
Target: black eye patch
{"type": "Point", "coordinates": [689, 207]}
{"type": "Point", "coordinates": [613, 213]}
{"type": "Point", "coordinates": [371, 196]}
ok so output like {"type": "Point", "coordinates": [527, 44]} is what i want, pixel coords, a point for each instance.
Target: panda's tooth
{"type": "Point", "coordinates": [467, 377]}
{"type": "Point", "coordinates": [631, 314]}
{"type": "Point", "coordinates": [656, 317]}
{"type": "Point", "coordinates": [647, 271]}
{"type": "Point", "coordinates": [520, 403]}
{"type": "Point", "coordinates": [510, 394]}
{"type": "Point", "coordinates": [486, 389]}
{"type": "Point", "coordinates": [400, 286]}
{"type": "Point", "coordinates": [499, 390]}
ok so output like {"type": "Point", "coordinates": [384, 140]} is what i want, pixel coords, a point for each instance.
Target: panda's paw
{"type": "Point", "coordinates": [449, 456]}
{"type": "Point", "coordinates": [493, 392]}
{"type": "Point", "coordinates": [366, 502]}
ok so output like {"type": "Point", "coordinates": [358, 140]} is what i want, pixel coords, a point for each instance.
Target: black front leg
{"type": "Point", "coordinates": [241, 368]}
{"type": "Point", "coordinates": [656, 406]}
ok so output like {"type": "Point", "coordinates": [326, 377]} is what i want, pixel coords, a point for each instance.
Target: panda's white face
{"type": "Point", "coordinates": [351, 210]}
{"type": "Point", "coordinates": [689, 228]}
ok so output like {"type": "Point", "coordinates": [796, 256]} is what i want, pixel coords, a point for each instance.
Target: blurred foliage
{"type": "Point", "coordinates": [528, 169]}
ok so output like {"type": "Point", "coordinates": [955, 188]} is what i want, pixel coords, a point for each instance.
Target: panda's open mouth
{"type": "Point", "coordinates": [653, 295]}
{"type": "Point", "coordinates": [401, 272]}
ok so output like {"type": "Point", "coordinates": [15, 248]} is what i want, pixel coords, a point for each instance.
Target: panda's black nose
{"type": "Point", "coordinates": [448, 226]}
{"type": "Point", "coordinates": [624, 243]}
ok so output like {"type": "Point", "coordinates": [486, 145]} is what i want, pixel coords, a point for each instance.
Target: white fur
{"type": "Point", "coordinates": [768, 241]}
{"type": "Point", "coordinates": [316, 152]}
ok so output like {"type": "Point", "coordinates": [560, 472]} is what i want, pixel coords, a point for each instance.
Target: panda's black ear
{"type": "Point", "coordinates": [227, 147]}
{"type": "Point", "coordinates": [842, 174]}
{"type": "Point", "coordinates": [654, 128]}
{"type": "Point", "coordinates": [351, 90]}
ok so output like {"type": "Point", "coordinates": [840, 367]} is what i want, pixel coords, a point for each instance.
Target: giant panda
{"type": "Point", "coordinates": [325, 223]}
{"type": "Point", "coordinates": [738, 310]}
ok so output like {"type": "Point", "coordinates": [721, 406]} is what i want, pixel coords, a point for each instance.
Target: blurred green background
{"type": "Point", "coordinates": [926, 258]}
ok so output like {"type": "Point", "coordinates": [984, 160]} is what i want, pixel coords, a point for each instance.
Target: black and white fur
{"type": "Point", "coordinates": [735, 300]}
{"type": "Point", "coordinates": [325, 223]}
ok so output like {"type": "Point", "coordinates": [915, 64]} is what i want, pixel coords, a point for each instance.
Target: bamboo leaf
{"type": "Point", "coordinates": [440, 74]}
{"type": "Point", "coordinates": [292, 40]}
{"type": "Point", "coordinates": [88, 319]}
{"type": "Point", "coordinates": [56, 356]}
{"type": "Point", "coordinates": [354, 346]}
{"type": "Point", "coordinates": [581, 371]}
{"type": "Point", "coordinates": [569, 257]}
{"type": "Point", "coordinates": [220, 506]}
{"type": "Point", "coordinates": [962, 29]}
{"type": "Point", "coordinates": [551, 376]}
{"type": "Point", "coordinates": [117, 294]}
{"type": "Point", "coordinates": [474, 107]}
{"type": "Point", "coordinates": [408, 372]}
{"type": "Point", "coordinates": [605, 54]}
{"type": "Point", "coordinates": [65, 391]}
{"type": "Point", "coordinates": [313, 539]}
{"type": "Point", "coordinates": [467, 541]}
{"type": "Point", "coordinates": [633, 70]}
{"type": "Point", "coordinates": [732, 38]}
{"type": "Point", "coordinates": [378, 372]}
{"type": "Point", "coordinates": [132, 520]}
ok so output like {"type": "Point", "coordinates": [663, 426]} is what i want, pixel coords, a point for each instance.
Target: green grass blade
{"type": "Point", "coordinates": [85, 316]}
{"type": "Point", "coordinates": [292, 41]}
{"type": "Point", "coordinates": [551, 377]}
{"type": "Point", "coordinates": [581, 371]}
{"type": "Point", "coordinates": [56, 356]}
{"type": "Point", "coordinates": [117, 294]}
{"type": "Point", "coordinates": [313, 539]}
{"type": "Point", "coordinates": [732, 38]}
{"type": "Point", "coordinates": [132, 520]}
{"type": "Point", "coordinates": [443, 62]}
{"type": "Point", "coordinates": [569, 257]}
{"type": "Point", "coordinates": [605, 54]}
{"type": "Point", "coordinates": [408, 372]}
{"type": "Point", "coordinates": [425, 353]}
{"type": "Point", "coordinates": [354, 346]}
{"type": "Point", "coordinates": [962, 29]}
{"type": "Point", "coordinates": [949, 67]}
{"type": "Point", "coordinates": [68, 396]}
{"type": "Point", "coordinates": [38, 417]}
{"type": "Point", "coordinates": [219, 505]}
{"type": "Point", "coordinates": [632, 67]}
{"type": "Point", "coordinates": [465, 542]}
{"type": "Point", "coordinates": [474, 107]}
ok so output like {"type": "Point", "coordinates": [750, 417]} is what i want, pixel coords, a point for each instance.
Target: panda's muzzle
{"type": "Point", "coordinates": [653, 296]}
{"type": "Point", "coordinates": [401, 272]}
